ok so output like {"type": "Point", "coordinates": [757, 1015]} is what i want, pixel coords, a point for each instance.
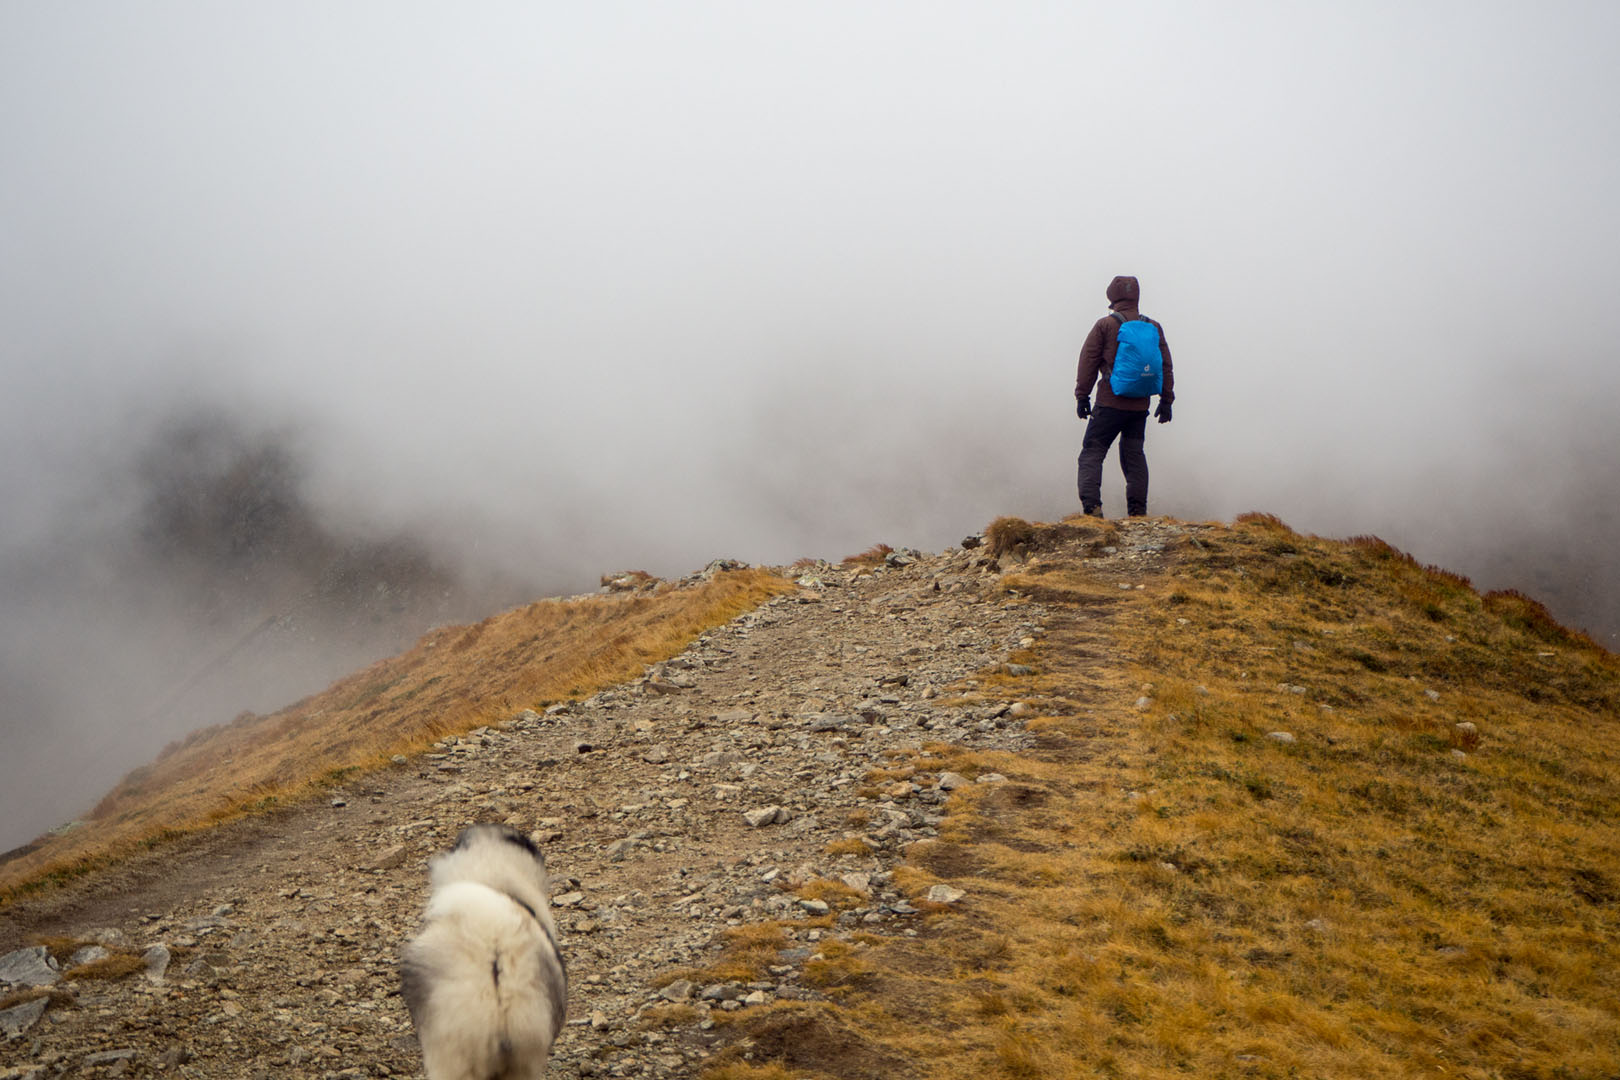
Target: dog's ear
{"type": "Point", "coordinates": [518, 839]}
{"type": "Point", "coordinates": [503, 833]}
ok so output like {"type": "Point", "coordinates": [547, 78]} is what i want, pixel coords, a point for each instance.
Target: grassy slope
{"type": "Point", "coordinates": [1162, 890]}
{"type": "Point", "coordinates": [455, 679]}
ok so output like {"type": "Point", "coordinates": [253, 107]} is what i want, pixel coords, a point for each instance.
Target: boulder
{"type": "Point", "coordinates": [89, 954]}
{"type": "Point", "coordinates": [28, 967]}
{"type": "Point", "coordinates": [157, 962]}
{"type": "Point", "coordinates": [767, 815]}
{"type": "Point", "coordinates": [388, 859]}
{"type": "Point", "coordinates": [18, 1019]}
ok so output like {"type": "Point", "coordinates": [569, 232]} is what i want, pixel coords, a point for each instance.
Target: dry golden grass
{"type": "Point", "coordinates": [673, 1014]}
{"type": "Point", "coordinates": [872, 556]}
{"type": "Point", "coordinates": [747, 951]}
{"type": "Point", "coordinates": [839, 967]}
{"type": "Point", "coordinates": [455, 679]}
{"type": "Point", "coordinates": [804, 1042]}
{"type": "Point", "coordinates": [1006, 533]}
{"type": "Point", "coordinates": [628, 579]}
{"type": "Point", "coordinates": [835, 894]}
{"type": "Point", "coordinates": [1166, 891]}
{"type": "Point", "coordinates": [119, 962]}
{"type": "Point", "coordinates": [58, 997]}
{"type": "Point", "coordinates": [740, 1070]}
{"type": "Point", "coordinates": [1077, 533]}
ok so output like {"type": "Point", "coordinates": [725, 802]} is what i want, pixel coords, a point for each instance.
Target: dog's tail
{"type": "Point", "coordinates": [504, 1067]}
{"type": "Point", "coordinates": [530, 990]}
{"type": "Point", "coordinates": [503, 1061]}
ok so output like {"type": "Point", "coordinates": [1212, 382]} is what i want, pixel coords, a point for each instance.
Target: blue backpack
{"type": "Point", "coordinates": [1138, 363]}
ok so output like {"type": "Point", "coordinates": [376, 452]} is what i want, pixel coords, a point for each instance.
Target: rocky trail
{"type": "Point", "coordinates": [669, 809]}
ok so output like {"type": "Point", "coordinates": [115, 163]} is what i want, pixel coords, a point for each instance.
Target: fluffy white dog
{"type": "Point", "coordinates": [484, 982]}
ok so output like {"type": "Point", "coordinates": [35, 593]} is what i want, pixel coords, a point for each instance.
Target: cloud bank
{"type": "Point", "coordinates": [543, 292]}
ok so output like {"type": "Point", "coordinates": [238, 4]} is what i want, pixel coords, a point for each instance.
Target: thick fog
{"type": "Point", "coordinates": [320, 323]}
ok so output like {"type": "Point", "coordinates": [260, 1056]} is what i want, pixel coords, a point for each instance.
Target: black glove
{"type": "Point", "coordinates": [1163, 411]}
{"type": "Point", "coordinates": [1082, 407]}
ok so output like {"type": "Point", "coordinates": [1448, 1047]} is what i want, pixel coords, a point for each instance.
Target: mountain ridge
{"type": "Point", "coordinates": [1134, 797]}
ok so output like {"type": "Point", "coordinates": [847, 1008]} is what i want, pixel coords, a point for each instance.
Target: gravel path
{"type": "Point", "coordinates": [283, 932]}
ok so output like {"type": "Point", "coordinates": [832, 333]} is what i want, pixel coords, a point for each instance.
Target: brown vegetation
{"type": "Point", "coordinates": [1424, 880]}
{"type": "Point", "coordinates": [872, 556]}
{"type": "Point", "coordinates": [1006, 533]}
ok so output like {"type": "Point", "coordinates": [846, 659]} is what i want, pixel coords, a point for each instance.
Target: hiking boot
{"type": "Point", "coordinates": [1093, 511]}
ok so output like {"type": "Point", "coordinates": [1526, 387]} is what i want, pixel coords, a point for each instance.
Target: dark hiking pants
{"type": "Point", "coordinates": [1105, 425]}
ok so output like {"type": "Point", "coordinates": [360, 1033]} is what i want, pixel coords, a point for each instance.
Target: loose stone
{"type": "Point", "coordinates": [28, 967]}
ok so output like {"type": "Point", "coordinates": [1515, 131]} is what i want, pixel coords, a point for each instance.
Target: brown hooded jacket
{"type": "Point", "coordinates": [1097, 354]}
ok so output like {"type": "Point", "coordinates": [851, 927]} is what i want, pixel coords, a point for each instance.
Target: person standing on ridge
{"type": "Point", "coordinates": [1128, 359]}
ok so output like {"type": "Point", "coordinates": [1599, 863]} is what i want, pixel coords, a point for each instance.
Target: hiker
{"type": "Point", "coordinates": [1123, 394]}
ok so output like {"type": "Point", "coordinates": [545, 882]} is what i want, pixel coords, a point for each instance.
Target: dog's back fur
{"type": "Point", "coordinates": [484, 981]}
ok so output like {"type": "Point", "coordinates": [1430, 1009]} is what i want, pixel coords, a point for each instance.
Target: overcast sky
{"type": "Point", "coordinates": [571, 287]}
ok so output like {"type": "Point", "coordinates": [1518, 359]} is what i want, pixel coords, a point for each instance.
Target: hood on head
{"type": "Point", "coordinates": [1123, 291]}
